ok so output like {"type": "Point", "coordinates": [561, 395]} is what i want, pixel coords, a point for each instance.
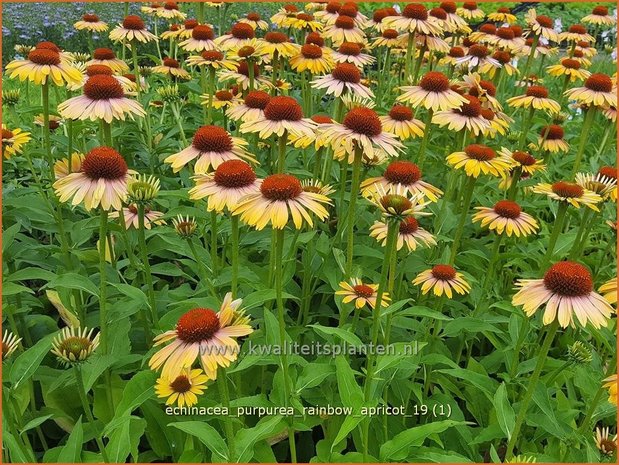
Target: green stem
{"type": "Point", "coordinates": [424, 142]}
{"type": "Point", "coordinates": [352, 204]}
{"type": "Point", "coordinates": [103, 281]}
{"type": "Point", "coordinates": [86, 406]}
{"type": "Point", "coordinates": [214, 258]}
{"type": "Point", "coordinates": [234, 225]}
{"type": "Point", "coordinates": [469, 186]}
{"type": "Point", "coordinates": [204, 275]}
{"type": "Point", "coordinates": [581, 235]}
{"type": "Point", "coordinates": [410, 57]}
{"type": "Point", "coordinates": [179, 121]}
{"type": "Point", "coordinates": [210, 91]}
{"type": "Point", "coordinates": [513, 187]}
{"type": "Point", "coordinates": [584, 138]}
{"type": "Point", "coordinates": [532, 382]}
{"type": "Point", "coordinates": [556, 231]}
{"type": "Point", "coordinates": [281, 154]}
{"type": "Point", "coordinates": [46, 138]}
{"type": "Point", "coordinates": [525, 128]}
{"type": "Point", "coordinates": [530, 57]}
{"type": "Point", "coordinates": [222, 384]}
{"type": "Point", "coordinates": [145, 263]}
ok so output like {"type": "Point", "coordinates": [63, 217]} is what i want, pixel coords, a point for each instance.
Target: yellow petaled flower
{"type": "Point", "coordinates": [345, 78]}
{"type": "Point", "coordinates": [13, 141]}
{"type": "Point", "coordinates": [183, 389]}
{"type": "Point", "coordinates": [255, 21]}
{"type": "Point", "coordinates": [502, 15]}
{"type": "Point", "coordinates": [349, 52]}
{"type": "Point", "coordinates": [598, 183]}
{"type": "Point", "coordinates": [281, 114]}
{"type": "Point", "coordinates": [569, 192]}
{"type": "Point", "coordinates": [280, 197]}
{"type": "Point", "coordinates": [397, 202]}
{"type": "Point", "coordinates": [414, 19]}
{"type": "Point", "coordinates": [317, 187]}
{"type": "Point", "coordinates": [63, 169]}
{"type": "Point", "coordinates": [536, 97]}
{"type": "Point", "coordinates": [107, 57]}
{"type": "Point", "coordinates": [401, 122]}
{"type": "Point", "coordinates": [344, 29]}
{"type": "Point", "coordinates": [404, 176]}
{"type": "Point", "coordinates": [361, 128]}
{"type": "Point", "coordinates": [221, 99]}
{"type": "Point", "coordinates": [171, 68]}
{"type": "Point", "coordinates": [202, 334]}
{"type": "Point", "coordinates": [103, 98]}
{"type": "Point", "coordinates": [202, 38]}
{"type": "Point", "coordinates": [241, 35]}
{"type": "Point", "coordinates": [231, 181]}
{"type": "Point", "coordinates": [74, 345]}
{"type": "Point", "coordinates": [570, 68]}
{"type": "Point", "coordinates": [484, 91]}
{"type": "Point", "coordinates": [41, 64]}
{"type": "Point", "coordinates": [551, 139]}
{"type": "Point", "coordinates": [442, 279]}
{"type": "Point", "coordinates": [610, 383]}
{"type": "Point", "coordinates": [92, 23]}
{"type": "Point", "coordinates": [362, 294]}
{"type": "Point", "coordinates": [9, 344]}
{"type": "Point", "coordinates": [541, 25]}
{"type": "Point", "coordinates": [284, 17]}
{"type": "Point", "coordinates": [471, 11]}
{"type": "Point", "coordinates": [173, 33]}
{"type": "Point", "coordinates": [252, 108]}
{"type": "Point", "coordinates": [576, 33]}
{"type": "Point", "coordinates": [506, 217]}
{"type": "Point", "coordinates": [101, 181]}
{"type": "Point", "coordinates": [598, 90]}
{"type": "Point", "coordinates": [54, 121]}
{"type": "Point", "coordinates": [132, 220]}
{"type": "Point", "coordinates": [211, 146]}
{"type": "Point", "coordinates": [610, 173]}
{"type": "Point", "coordinates": [609, 290]}
{"type": "Point", "coordinates": [212, 58]}
{"type": "Point", "coordinates": [310, 57]}
{"type": "Point", "coordinates": [525, 161]}
{"type": "Point", "coordinates": [606, 444]}
{"type": "Point", "coordinates": [241, 76]}
{"type": "Point", "coordinates": [389, 38]}
{"type": "Point", "coordinates": [184, 226]}
{"type": "Point", "coordinates": [479, 159]}
{"type": "Point", "coordinates": [186, 30]}
{"type": "Point", "coordinates": [305, 22]}
{"type": "Point", "coordinates": [409, 233]}
{"type": "Point", "coordinates": [277, 43]}
{"type": "Point", "coordinates": [478, 56]}
{"type": "Point", "coordinates": [170, 11]}
{"type": "Point", "coordinates": [600, 17]}
{"type": "Point", "coordinates": [567, 292]}
{"type": "Point", "coordinates": [433, 92]}
{"type": "Point", "coordinates": [467, 117]}
{"type": "Point", "coordinates": [132, 28]}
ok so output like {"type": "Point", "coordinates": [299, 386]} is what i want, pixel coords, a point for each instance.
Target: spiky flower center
{"type": "Point", "coordinates": [434, 81]}
{"type": "Point", "coordinates": [470, 109]}
{"type": "Point", "coordinates": [103, 87]}
{"type": "Point", "coordinates": [552, 132]}
{"type": "Point", "coordinates": [44, 57]}
{"type": "Point", "coordinates": [224, 95]}
{"type": "Point", "coordinates": [197, 325]}
{"type": "Point", "coordinates": [333, 7]}
{"type": "Point", "coordinates": [537, 92]}
{"type": "Point", "coordinates": [578, 54]}
{"type": "Point", "coordinates": [363, 290]}
{"type": "Point", "coordinates": [577, 29]}
{"type": "Point", "coordinates": [409, 226]}
{"type": "Point", "coordinates": [244, 69]}
{"type": "Point", "coordinates": [290, 8]}
{"type": "Point", "coordinates": [181, 384]}
{"type": "Point", "coordinates": [502, 56]}
{"type": "Point", "coordinates": [487, 114]}
{"type": "Point", "coordinates": [443, 272]}
{"type": "Point", "coordinates": [449, 7]}
{"type": "Point", "coordinates": [234, 174]}
{"type": "Point", "coordinates": [47, 45]}
{"type": "Point", "coordinates": [456, 52]}
{"type": "Point", "coordinates": [390, 34]}
{"type": "Point", "coordinates": [90, 18]}
{"type": "Point", "coordinates": [479, 152]}
{"type": "Point", "coordinates": [415, 11]}
{"type": "Point", "coordinates": [402, 172]}
{"type": "Point", "coordinates": [203, 32]}
{"type": "Point", "coordinates": [401, 113]}
{"type": "Point", "coordinates": [523, 158]}
{"type": "Point", "coordinates": [570, 63]}
{"type": "Point", "coordinates": [95, 70]}
{"type": "Point", "coordinates": [104, 163]}
{"type": "Point", "coordinates": [470, 6]}
{"type": "Point", "coordinates": [600, 11]}
{"type": "Point", "coordinates": [488, 28]}
{"type": "Point", "coordinates": [275, 37]}
{"type": "Point", "coordinates": [321, 119]}
{"type": "Point", "coordinates": [345, 22]}
{"type": "Point", "coordinates": [134, 23]}
{"type": "Point", "coordinates": [438, 13]}
{"type": "Point", "coordinates": [212, 139]}
{"type": "Point", "coordinates": [257, 99]}
{"type": "Point", "coordinates": [190, 23]}
{"type": "Point", "coordinates": [305, 17]}
{"type": "Point", "coordinates": [567, 190]}
{"type": "Point", "coordinates": [350, 48]}
{"type": "Point", "coordinates": [347, 72]}
{"type": "Point", "coordinates": [170, 6]}
{"type": "Point", "coordinates": [315, 38]}
{"type": "Point", "coordinates": [608, 171]}
{"type": "Point", "coordinates": [568, 279]}
{"type": "Point", "coordinates": [283, 108]}
{"type": "Point", "coordinates": [74, 346]}
{"type": "Point", "coordinates": [504, 10]}
{"type": "Point", "coordinates": [6, 134]}
{"type": "Point", "coordinates": [363, 121]}
{"type": "Point", "coordinates": [479, 51]}
{"type": "Point", "coordinates": [281, 187]}
{"type": "Point", "coordinates": [599, 82]}
{"type": "Point", "coordinates": [103, 54]}
{"type": "Point", "coordinates": [396, 203]}
{"type": "Point", "coordinates": [212, 55]}
{"type": "Point", "coordinates": [311, 51]}
{"type": "Point", "coordinates": [349, 9]}
{"type": "Point", "coordinates": [505, 33]}
{"type": "Point", "coordinates": [507, 209]}
{"type": "Point", "coordinates": [253, 16]}
{"type": "Point", "coordinates": [171, 63]}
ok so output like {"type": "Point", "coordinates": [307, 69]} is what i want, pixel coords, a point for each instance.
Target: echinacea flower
{"type": "Point", "coordinates": [351, 10]}
{"type": "Point", "coordinates": [404, 176]}
{"type": "Point", "coordinates": [91, 22]}
{"type": "Point", "coordinates": [74, 345]}
{"type": "Point", "coordinates": [506, 217]}
{"type": "Point", "coordinates": [478, 56]}
{"type": "Point", "coordinates": [173, 33]}
{"type": "Point", "coordinates": [465, 117]}
{"type": "Point", "coordinates": [9, 344]}
{"type": "Point", "coordinates": [389, 38]}
{"type": "Point", "coordinates": [541, 25]}
{"type": "Point", "coordinates": [170, 11]}
{"type": "Point", "coordinates": [576, 33]}
{"type": "Point", "coordinates": [609, 290]}
{"type": "Point", "coordinates": [414, 19]}
{"type": "Point", "coordinates": [220, 99]}
{"type": "Point", "coordinates": [171, 68]}
{"type": "Point", "coordinates": [610, 383]}
{"type": "Point", "coordinates": [185, 226]}
{"type": "Point", "coordinates": [103, 98]}
{"type": "Point", "coordinates": [54, 121]}
{"type": "Point", "coordinates": [442, 279]}
{"type": "Point", "coordinates": [107, 57]}
{"type": "Point", "coordinates": [569, 192]}
{"type": "Point", "coordinates": [551, 139]}
{"type": "Point", "coordinates": [598, 183]}
{"type": "Point", "coordinates": [285, 15]}
{"type": "Point", "coordinates": [202, 38]}
{"type": "Point", "coordinates": [523, 160]}
{"type": "Point", "coordinates": [409, 234]}
{"type": "Point", "coordinates": [280, 197]}
{"type": "Point", "coordinates": [598, 90]}
{"type": "Point", "coordinates": [471, 11]}
{"type": "Point", "coordinates": [349, 52]}
{"type": "Point", "coordinates": [606, 444]}
{"type": "Point", "coordinates": [211, 146]}
{"type": "Point", "coordinates": [43, 65]}
{"type": "Point", "coordinates": [132, 28]}
{"type": "Point", "coordinates": [132, 220]}
{"type": "Point", "coordinates": [277, 43]}
{"type": "Point", "coordinates": [62, 167]}
{"type": "Point", "coordinates": [610, 172]}
{"type": "Point", "coordinates": [397, 202]}
{"type": "Point", "coordinates": [241, 34]}
{"type": "Point", "coordinates": [570, 68]}
{"type": "Point", "coordinates": [537, 98]}
{"type": "Point", "coordinates": [13, 141]}
{"type": "Point", "coordinates": [310, 57]}
{"type": "Point", "coordinates": [567, 291]}
{"type": "Point", "coordinates": [231, 181]}
{"type": "Point", "coordinates": [345, 78]}
{"type": "Point", "coordinates": [183, 389]}
{"type": "Point", "coordinates": [344, 29]}
{"type": "Point", "coordinates": [305, 22]}
{"type": "Point", "coordinates": [600, 17]}
{"type": "Point", "coordinates": [361, 294]}
{"type": "Point", "coordinates": [477, 159]}
{"type": "Point", "coordinates": [401, 121]}
{"type": "Point", "coordinates": [458, 23]}
{"type": "Point", "coordinates": [241, 75]}
{"type": "Point", "coordinates": [254, 20]}
{"type": "Point", "coordinates": [252, 107]}
{"type": "Point", "coordinates": [213, 59]}
{"type": "Point", "coordinates": [504, 58]}
{"type": "Point", "coordinates": [101, 181]}
{"type": "Point", "coordinates": [281, 114]}
{"type": "Point", "coordinates": [202, 334]}
{"type": "Point", "coordinates": [502, 15]}
{"type": "Point", "coordinates": [185, 31]}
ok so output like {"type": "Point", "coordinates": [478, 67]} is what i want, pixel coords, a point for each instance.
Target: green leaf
{"type": "Point", "coordinates": [72, 451]}
{"type": "Point", "coordinates": [133, 293]}
{"type": "Point", "coordinates": [35, 422]}
{"type": "Point", "coordinates": [504, 411]}
{"type": "Point", "coordinates": [344, 335]}
{"type": "Point", "coordinates": [18, 455]}
{"type": "Point", "coordinates": [247, 438]}
{"type": "Point", "coordinates": [73, 281]}
{"type": "Point", "coordinates": [349, 424]}
{"type": "Point", "coordinates": [138, 390]}
{"type": "Point", "coordinates": [125, 438]}
{"type": "Point", "coordinates": [397, 449]}
{"type": "Point", "coordinates": [350, 392]}
{"type": "Point", "coordinates": [208, 436]}
{"type": "Point", "coordinates": [14, 289]}
{"type": "Point", "coordinates": [313, 374]}
{"type": "Point", "coordinates": [27, 362]}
